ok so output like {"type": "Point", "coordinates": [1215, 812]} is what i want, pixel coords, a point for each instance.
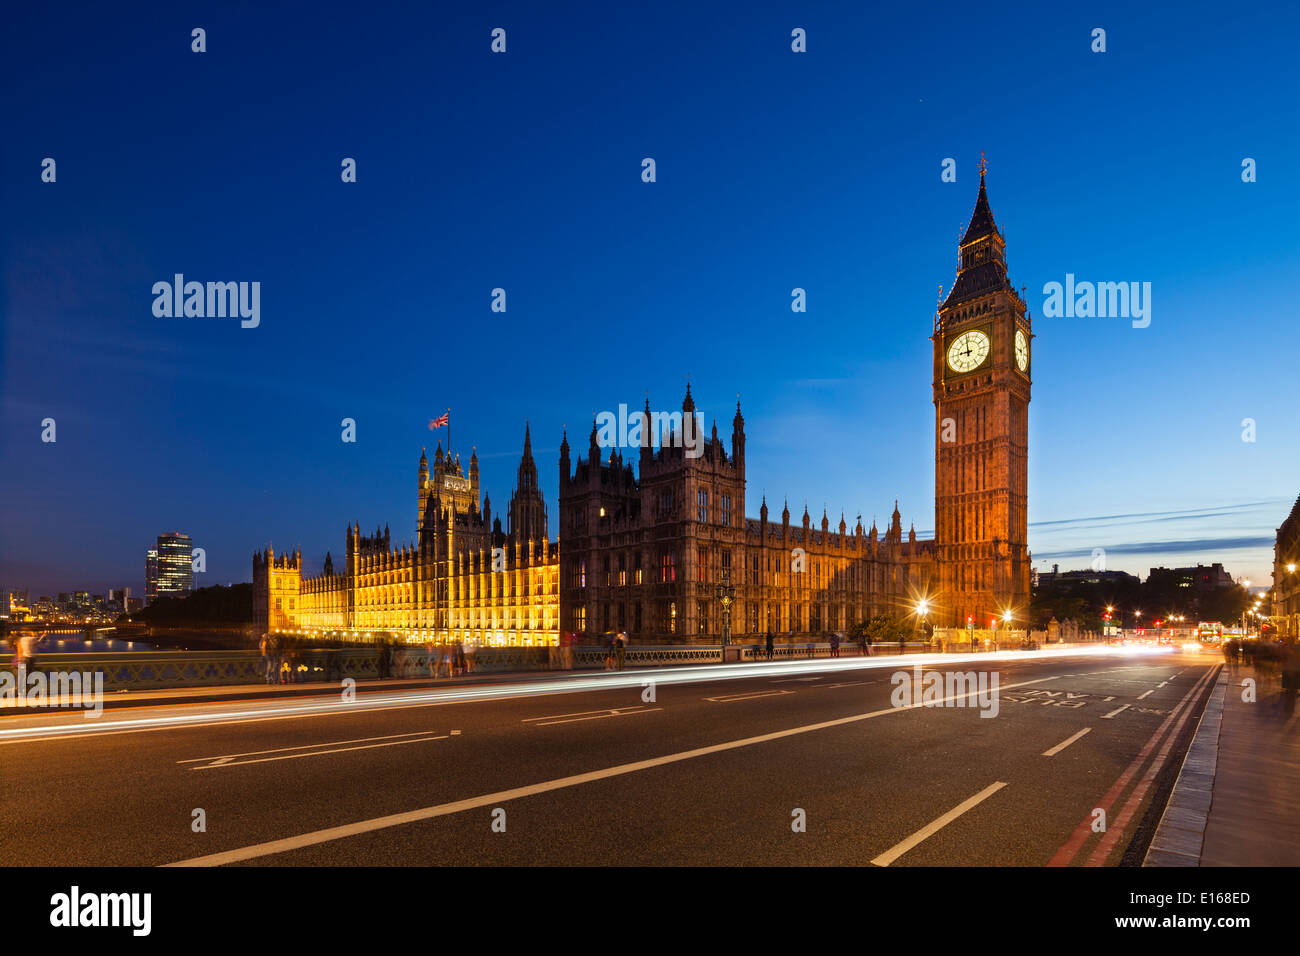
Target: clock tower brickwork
{"type": "Point", "coordinates": [982, 366]}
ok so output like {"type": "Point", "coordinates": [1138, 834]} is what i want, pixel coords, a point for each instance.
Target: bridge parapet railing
{"type": "Point", "coordinates": [125, 670]}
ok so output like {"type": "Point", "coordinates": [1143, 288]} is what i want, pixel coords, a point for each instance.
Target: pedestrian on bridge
{"type": "Point", "coordinates": [268, 658]}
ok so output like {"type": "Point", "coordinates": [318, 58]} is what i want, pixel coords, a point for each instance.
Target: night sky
{"type": "Point", "coordinates": [522, 170]}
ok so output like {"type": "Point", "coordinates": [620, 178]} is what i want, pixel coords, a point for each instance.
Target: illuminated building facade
{"type": "Point", "coordinates": [982, 368]}
{"type": "Point", "coordinates": [150, 576]}
{"type": "Point", "coordinates": [169, 568]}
{"type": "Point", "coordinates": [463, 579]}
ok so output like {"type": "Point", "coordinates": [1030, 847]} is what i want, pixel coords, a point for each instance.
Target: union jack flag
{"type": "Point", "coordinates": [444, 419]}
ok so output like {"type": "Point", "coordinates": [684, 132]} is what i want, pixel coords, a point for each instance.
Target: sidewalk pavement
{"type": "Point", "coordinates": [1235, 801]}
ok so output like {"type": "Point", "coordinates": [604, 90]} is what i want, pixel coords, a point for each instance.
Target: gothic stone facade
{"type": "Point", "coordinates": [647, 553]}
{"type": "Point", "coordinates": [463, 579]}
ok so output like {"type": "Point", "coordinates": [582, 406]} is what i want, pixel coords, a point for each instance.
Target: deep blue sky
{"type": "Point", "coordinates": [775, 170]}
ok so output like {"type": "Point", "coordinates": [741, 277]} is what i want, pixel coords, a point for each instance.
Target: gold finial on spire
{"type": "Point", "coordinates": [984, 164]}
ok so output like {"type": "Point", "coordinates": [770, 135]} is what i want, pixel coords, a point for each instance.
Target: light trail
{"type": "Point", "coordinates": [54, 727]}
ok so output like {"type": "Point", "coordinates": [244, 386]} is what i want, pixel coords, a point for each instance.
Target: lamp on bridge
{"type": "Point", "coordinates": [726, 593]}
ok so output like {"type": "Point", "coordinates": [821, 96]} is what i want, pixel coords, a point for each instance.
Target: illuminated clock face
{"type": "Point", "coordinates": [1022, 350]}
{"type": "Point", "coordinates": [968, 351]}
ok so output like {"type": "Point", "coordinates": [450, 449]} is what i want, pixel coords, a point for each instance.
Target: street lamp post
{"type": "Point", "coordinates": [726, 593]}
{"type": "Point", "coordinates": [1246, 584]}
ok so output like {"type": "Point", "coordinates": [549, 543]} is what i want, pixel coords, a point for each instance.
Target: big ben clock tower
{"type": "Point", "coordinates": [981, 400]}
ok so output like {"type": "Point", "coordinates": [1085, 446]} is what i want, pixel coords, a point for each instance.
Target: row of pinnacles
{"type": "Point", "coordinates": [621, 495]}
{"type": "Point", "coordinates": [869, 542]}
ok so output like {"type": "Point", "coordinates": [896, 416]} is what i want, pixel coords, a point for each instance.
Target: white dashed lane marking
{"type": "Point", "coordinates": [313, 750]}
{"type": "Point", "coordinates": [546, 721]}
{"type": "Point", "coordinates": [927, 831]}
{"type": "Point", "coordinates": [730, 698]}
{"type": "Point", "coordinates": [1065, 743]}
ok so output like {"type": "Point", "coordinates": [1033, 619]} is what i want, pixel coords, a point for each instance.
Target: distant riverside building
{"type": "Point", "coordinates": [150, 576]}
{"type": "Point", "coordinates": [1200, 579]}
{"type": "Point", "coordinates": [1286, 576]}
{"type": "Point", "coordinates": [14, 603]}
{"type": "Point", "coordinates": [169, 568]}
{"type": "Point", "coordinates": [463, 579]}
{"type": "Point", "coordinates": [1068, 579]}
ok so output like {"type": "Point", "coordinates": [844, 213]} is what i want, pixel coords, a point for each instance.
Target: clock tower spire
{"type": "Point", "coordinates": [981, 401]}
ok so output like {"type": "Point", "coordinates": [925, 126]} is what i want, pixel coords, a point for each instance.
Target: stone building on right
{"type": "Point", "coordinates": [1286, 576]}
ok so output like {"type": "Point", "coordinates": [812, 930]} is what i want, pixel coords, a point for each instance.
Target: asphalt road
{"type": "Point", "coordinates": [716, 770]}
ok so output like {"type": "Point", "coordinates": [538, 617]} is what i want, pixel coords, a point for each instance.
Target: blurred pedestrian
{"type": "Point", "coordinates": [771, 645]}
{"type": "Point", "coordinates": [835, 644]}
{"type": "Point", "coordinates": [471, 649]}
{"type": "Point", "coordinates": [431, 659]}
{"type": "Point", "coordinates": [458, 659]}
{"type": "Point", "coordinates": [264, 648]}
{"type": "Point", "coordinates": [620, 649]}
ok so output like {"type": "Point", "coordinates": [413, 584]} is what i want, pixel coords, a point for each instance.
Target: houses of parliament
{"type": "Point", "coordinates": [644, 549]}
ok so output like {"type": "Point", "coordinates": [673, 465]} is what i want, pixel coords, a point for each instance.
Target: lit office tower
{"type": "Point", "coordinates": [150, 576]}
{"type": "Point", "coordinates": [175, 565]}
